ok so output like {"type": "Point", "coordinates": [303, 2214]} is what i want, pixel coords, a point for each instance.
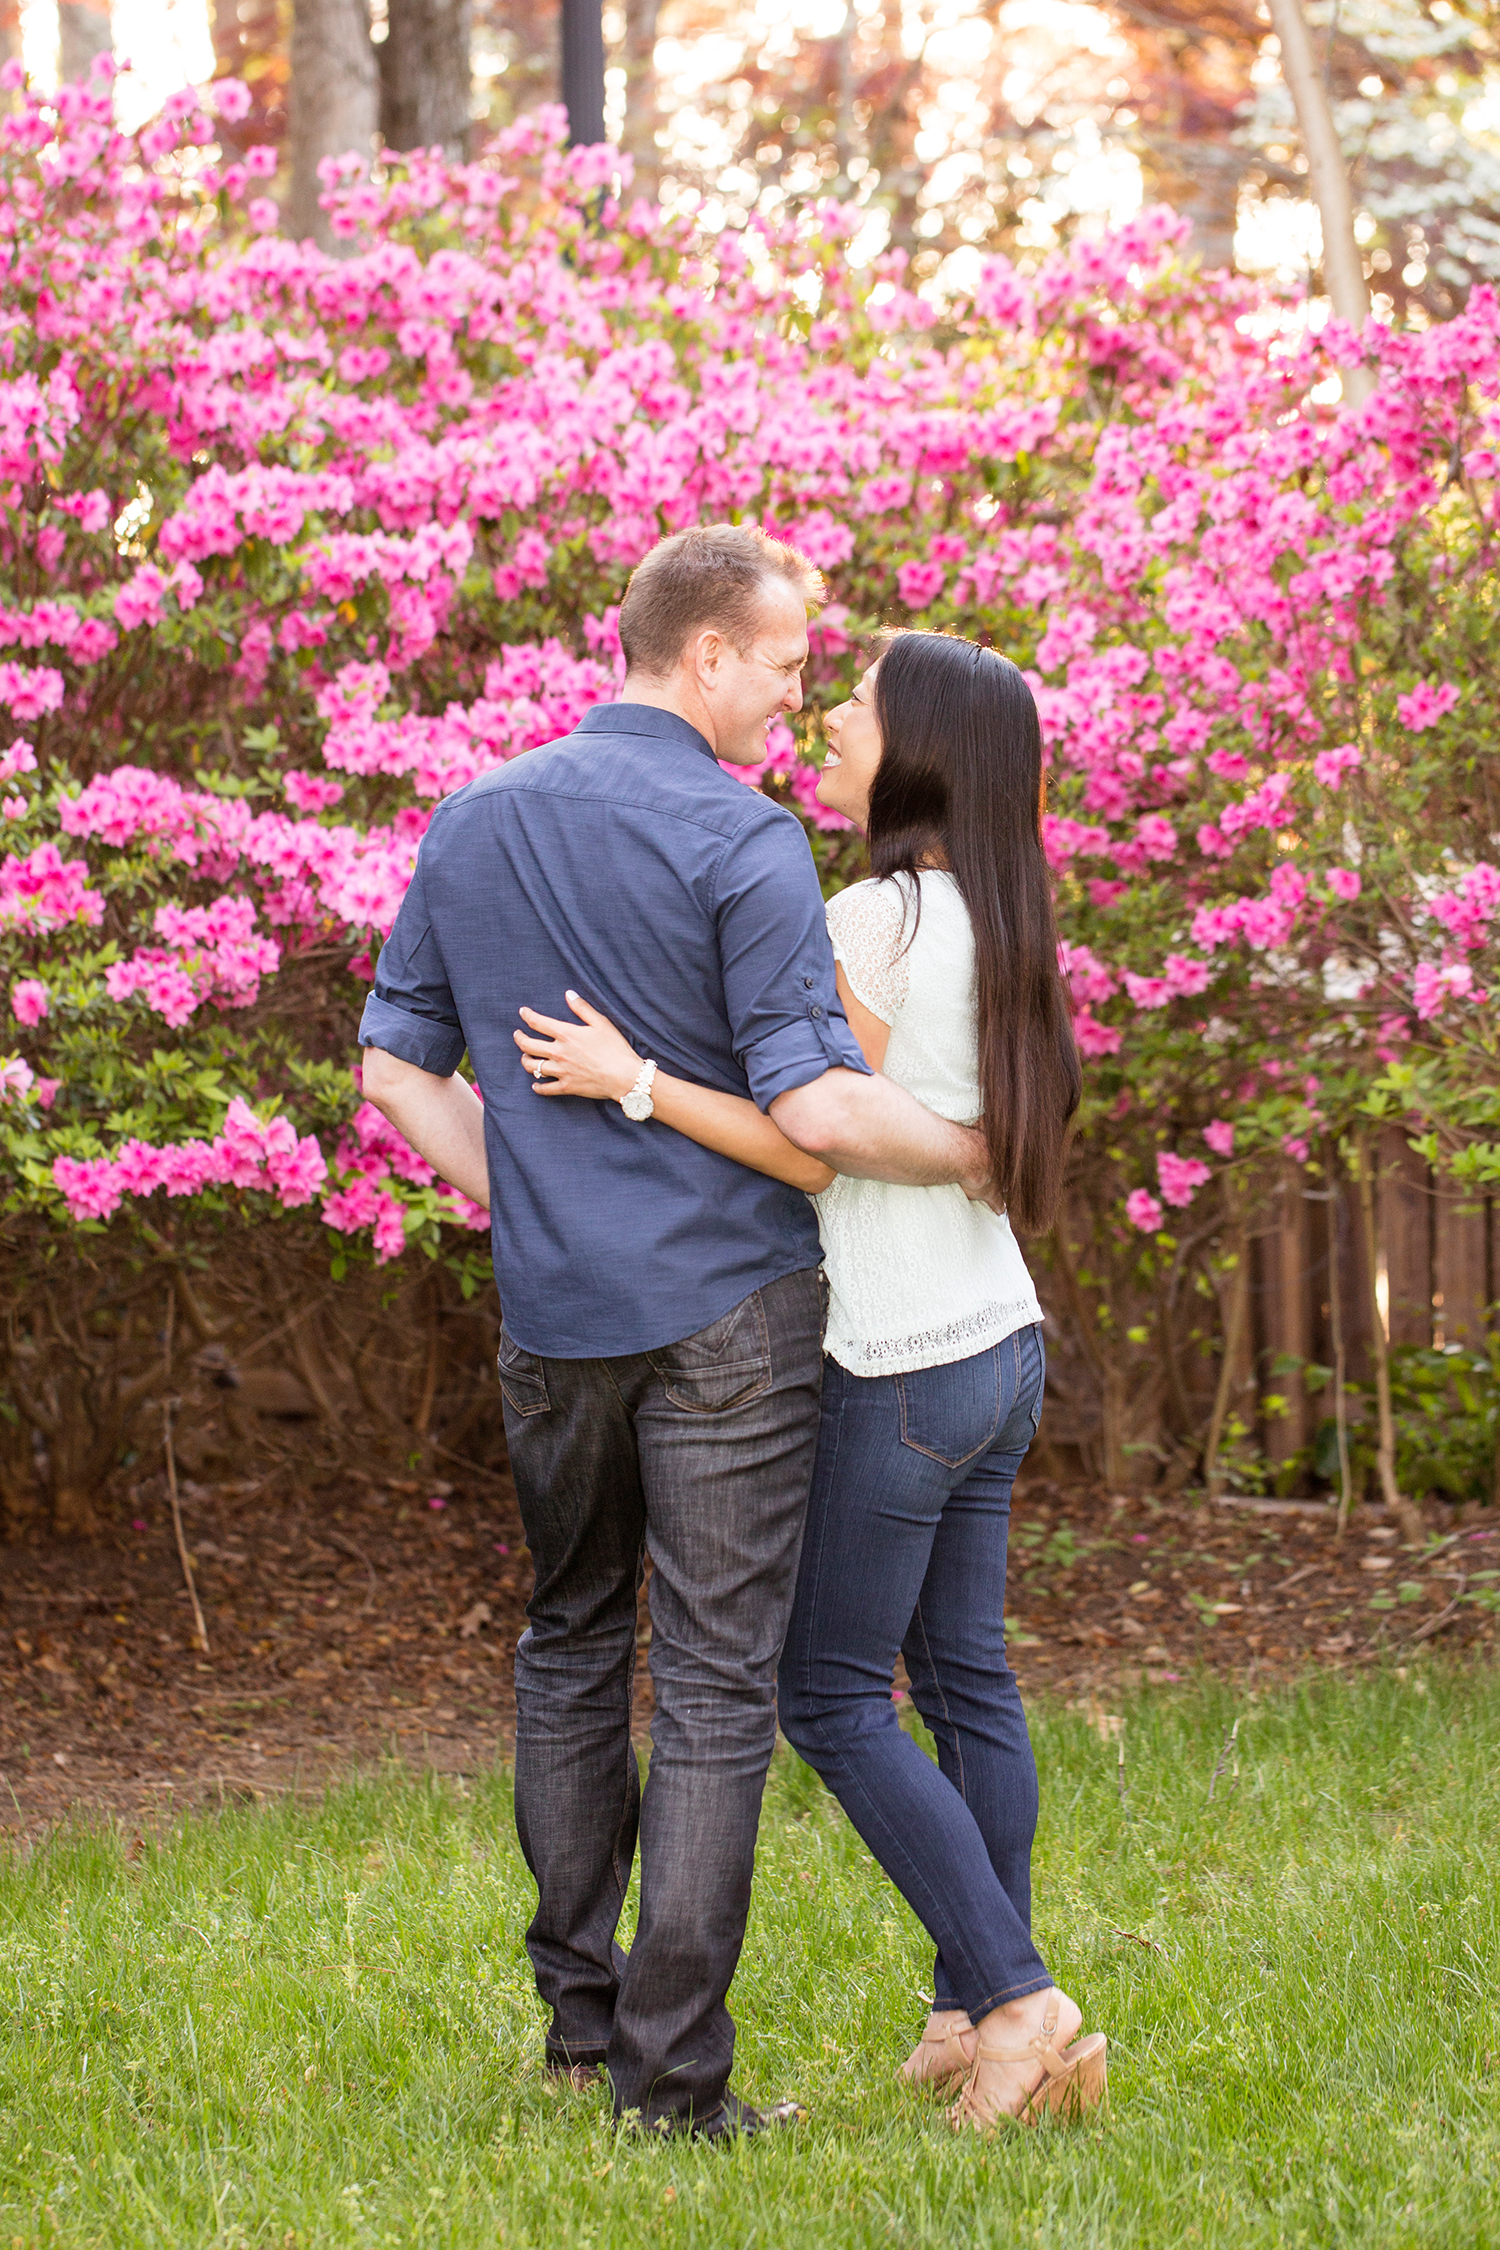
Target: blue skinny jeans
{"type": "Point", "coordinates": [905, 1549]}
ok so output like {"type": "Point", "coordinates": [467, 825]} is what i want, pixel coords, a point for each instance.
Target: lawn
{"type": "Point", "coordinates": [314, 2024]}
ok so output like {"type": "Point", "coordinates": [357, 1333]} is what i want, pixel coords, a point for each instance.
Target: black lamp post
{"type": "Point", "coordinates": [583, 71]}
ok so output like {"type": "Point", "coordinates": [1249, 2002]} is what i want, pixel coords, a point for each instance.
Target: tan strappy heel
{"type": "Point", "coordinates": [1074, 2079]}
{"type": "Point", "coordinates": [938, 2057]}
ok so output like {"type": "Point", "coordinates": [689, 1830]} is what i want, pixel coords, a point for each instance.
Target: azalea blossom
{"type": "Point", "coordinates": [1143, 1211]}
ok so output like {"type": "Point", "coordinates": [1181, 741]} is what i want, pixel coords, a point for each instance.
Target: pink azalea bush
{"type": "Point", "coordinates": [293, 546]}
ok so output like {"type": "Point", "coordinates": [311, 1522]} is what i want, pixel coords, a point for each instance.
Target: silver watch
{"type": "Point", "coordinates": [637, 1104]}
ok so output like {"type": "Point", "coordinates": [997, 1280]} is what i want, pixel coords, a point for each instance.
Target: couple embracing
{"type": "Point", "coordinates": [765, 1319]}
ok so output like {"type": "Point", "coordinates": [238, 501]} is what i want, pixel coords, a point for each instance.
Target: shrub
{"type": "Point", "coordinates": [294, 545]}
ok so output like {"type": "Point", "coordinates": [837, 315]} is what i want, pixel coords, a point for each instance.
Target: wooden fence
{"type": "Point", "coordinates": [1132, 1375]}
{"type": "Point", "coordinates": [1434, 1281]}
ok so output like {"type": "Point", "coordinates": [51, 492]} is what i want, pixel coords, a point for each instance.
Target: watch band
{"type": "Point", "coordinates": [637, 1103]}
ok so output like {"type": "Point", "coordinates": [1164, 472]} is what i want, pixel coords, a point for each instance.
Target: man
{"type": "Point", "coordinates": [660, 1352]}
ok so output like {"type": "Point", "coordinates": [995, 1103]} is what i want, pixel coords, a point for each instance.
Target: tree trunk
{"type": "Point", "coordinates": [1234, 1331]}
{"type": "Point", "coordinates": [426, 81]}
{"type": "Point", "coordinates": [1407, 1515]}
{"type": "Point", "coordinates": [1336, 1323]}
{"type": "Point", "coordinates": [1343, 267]}
{"type": "Point", "coordinates": [335, 103]}
{"type": "Point", "coordinates": [83, 31]}
{"type": "Point", "coordinates": [638, 137]}
{"type": "Point", "coordinates": [583, 71]}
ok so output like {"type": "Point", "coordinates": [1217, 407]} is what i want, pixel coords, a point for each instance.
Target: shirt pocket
{"type": "Point", "coordinates": [523, 1377]}
{"type": "Point", "coordinates": [724, 1365]}
{"type": "Point", "coordinates": [952, 1412]}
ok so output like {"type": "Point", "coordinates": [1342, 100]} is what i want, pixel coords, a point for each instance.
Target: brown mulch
{"type": "Point", "coordinates": [368, 1619]}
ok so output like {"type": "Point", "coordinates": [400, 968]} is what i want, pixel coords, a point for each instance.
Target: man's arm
{"type": "Point", "coordinates": [442, 1118]}
{"type": "Point", "coordinates": [874, 1130]}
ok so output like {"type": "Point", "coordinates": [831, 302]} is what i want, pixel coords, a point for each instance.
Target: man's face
{"type": "Point", "coordinates": [745, 689]}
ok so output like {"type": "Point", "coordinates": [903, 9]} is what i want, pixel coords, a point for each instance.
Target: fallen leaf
{"type": "Point", "coordinates": [471, 1621]}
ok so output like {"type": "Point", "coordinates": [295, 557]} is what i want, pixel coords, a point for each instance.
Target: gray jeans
{"type": "Point", "coordinates": [700, 1454]}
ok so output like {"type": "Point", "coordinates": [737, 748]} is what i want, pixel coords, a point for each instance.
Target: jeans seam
{"type": "Point", "coordinates": [878, 1818]}
{"type": "Point", "coordinates": [805, 1683]}
{"type": "Point", "coordinates": [622, 1876]}
{"type": "Point", "coordinates": [958, 1748]}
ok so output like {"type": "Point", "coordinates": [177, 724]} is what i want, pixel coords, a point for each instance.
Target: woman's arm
{"type": "Point", "coordinates": [590, 1058]}
{"type": "Point", "coordinates": [873, 1034]}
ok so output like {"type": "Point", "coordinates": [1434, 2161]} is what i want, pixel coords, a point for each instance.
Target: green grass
{"type": "Point", "coordinates": [315, 2025]}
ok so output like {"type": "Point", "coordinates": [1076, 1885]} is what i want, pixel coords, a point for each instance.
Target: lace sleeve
{"type": "Point", "coordinates": [869, 927]}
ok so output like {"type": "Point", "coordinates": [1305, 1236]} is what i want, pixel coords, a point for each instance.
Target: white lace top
{"type": "Point", "coordinates": [917, 1276]}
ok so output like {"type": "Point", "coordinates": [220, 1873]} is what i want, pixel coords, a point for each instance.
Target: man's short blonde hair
{"type": "Point", "coordinates": [716, 574]}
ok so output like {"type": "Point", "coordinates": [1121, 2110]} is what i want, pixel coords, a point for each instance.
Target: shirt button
{"type": "Point", "coordinates": [815, 1011]}
{"type": "Point", "coordinates": [808, 982]}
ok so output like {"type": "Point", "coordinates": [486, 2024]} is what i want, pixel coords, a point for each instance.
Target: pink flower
{"type": "Point", "coordinates": [28, 1000]}
{"type": "Point", "coordinates": [351, 1208]}
{"type": "Point", "coordinates": [1156, 837]}
{"type": "Point", "coordinates": [1220, 1137]}
{"type": "Point", "coordinates": [1295, 1148]}
{"type": "Point", "coordinates": [16, 1078]}
{"type": "Point", "coordinates": [390, 1231]}
{"type": "Point", "coordinates": [1425, 705]}
{"type": "Point", "coordinates": [919, 584]}
{"type": "Point", "coordinates": [46, 1091]}
{"type": "Point", "coordinates": [297, 1174]}
{"type": "Point", "coordinates": [1095, 1038]}
{"type": "Point", "coordinates": [261, 211]}
{"type": "Point", "coordinates": [1184, 977]}
{"type": "Point", "coordinates": [1180, 1177]}
{"type": "Point", "coordinates": [140, 1168]}
{"type": "Point", "coordinates": [1344, 882]}
{"type": "Point", "coordinates": [1432, 988]}
{"type": "Point", "coordinates": [1330, 766]}
{"type": "Point", "coordinates": [90, 1187]}
{"type": "Point", "coordinates": [1143, 1211]}
{"type": "Point", "coordinates": [310, 792]}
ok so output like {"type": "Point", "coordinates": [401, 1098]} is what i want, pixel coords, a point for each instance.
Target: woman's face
{"type": "Point", "coordinates": [853, 754]}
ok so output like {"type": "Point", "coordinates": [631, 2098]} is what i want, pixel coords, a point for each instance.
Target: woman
{"type": "Point", "coordinates": [933, 1382]}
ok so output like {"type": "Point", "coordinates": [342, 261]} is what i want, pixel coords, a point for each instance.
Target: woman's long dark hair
{"type": "Point", "coordinates": [960, 778]}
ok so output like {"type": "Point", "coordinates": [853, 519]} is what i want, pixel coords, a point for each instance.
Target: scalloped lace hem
{"type": "Point", "coordinates": [972, 1332]}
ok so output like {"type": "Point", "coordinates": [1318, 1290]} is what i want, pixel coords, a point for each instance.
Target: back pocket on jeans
{"type": "Point", "coordinates": [724, 1365]}
{"type": "Point", "coordinates": [951, 1412]}
{"type": "Point", "coordinates": [523, 1377]}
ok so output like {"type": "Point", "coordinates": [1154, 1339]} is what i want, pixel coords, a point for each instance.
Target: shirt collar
{"type": "Point", "coordinates": [643, 718]}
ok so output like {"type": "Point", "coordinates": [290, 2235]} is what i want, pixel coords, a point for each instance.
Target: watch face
{"type": "Point", "coordinates": [637, 1107]}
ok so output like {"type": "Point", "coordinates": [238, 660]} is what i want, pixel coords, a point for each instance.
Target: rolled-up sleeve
{"type": "Point", "coordinates": [785, 1015]}
{"type": "Point", "coordinates": [411, 1012]}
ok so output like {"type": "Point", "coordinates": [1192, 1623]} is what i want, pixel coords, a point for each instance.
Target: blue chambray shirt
{"type": "Point", "coordinates": [625, 863]}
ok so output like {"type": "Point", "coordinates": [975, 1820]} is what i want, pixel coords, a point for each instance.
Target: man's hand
{"type": "Point", "coordinates": [442, 1118]}
{"type": "Point", "coordinates": [979, 1185]}
{"type": "Point", "coordinates": [872, 1129]}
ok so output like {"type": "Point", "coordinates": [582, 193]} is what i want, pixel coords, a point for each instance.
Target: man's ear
{"type": "Point", "coordinates": [708, 654]}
